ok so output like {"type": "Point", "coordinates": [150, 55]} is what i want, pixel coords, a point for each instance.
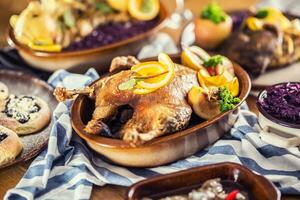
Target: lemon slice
{"type": "Point", "coordinates": [49, 48]}
{"type": "Point", "coordinates": [202, 74]}
{"type": "Point", "coordinates": [148, 68]}
{"type": "Point", "coordinates": [143, 9]}
{"type": "Point", "coordinates": [201, 53]}
{"type": "Point", "coordinates": [233, 86]}
{"type": "Point", "coordinates": [205, 80]}
{"type": "Point", "coordinates": [161, 80]}
{"type": "Point", "coordinates": [120, 5]}
{"type": "Point", "coordinates": [191, 60]}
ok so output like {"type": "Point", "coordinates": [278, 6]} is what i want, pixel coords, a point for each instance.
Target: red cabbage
{"type": "Point", "coordinates": [283, 102]}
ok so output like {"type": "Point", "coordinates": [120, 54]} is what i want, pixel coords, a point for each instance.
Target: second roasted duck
{"type": "Point", "coordinates": [162, 111]}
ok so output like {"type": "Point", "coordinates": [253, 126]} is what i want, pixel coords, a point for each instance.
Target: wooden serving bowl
{"type": "Point", "coordinates": [80, 60]}
{"type": "Point", "coordinates": [164, 149]}
{"type": "Point", "coordinates": [257, 186]}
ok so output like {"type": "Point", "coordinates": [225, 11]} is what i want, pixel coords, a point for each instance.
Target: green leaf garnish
{"type": "Point", "coordinates": [103, 7]}
{"type": "Point", "coordinates": [128, 85]}
{"type": "Point", "coordinates": [69, 18]}
{"type": "Point", "coordinates": [227, 101]}
{"type": "Point", "coordinates": [214, 13]}
{"type": "Point", "coordinates": [262, 14]}
{"type": "Point", "coordinates": [213, 61]}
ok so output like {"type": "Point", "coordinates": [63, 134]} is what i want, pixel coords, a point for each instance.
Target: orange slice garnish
{"type": "Point", "coordinates": [164, 65]}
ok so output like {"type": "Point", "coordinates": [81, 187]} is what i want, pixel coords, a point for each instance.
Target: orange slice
{"type": "Point", "coordinates": [233, 86]}
{"type": "Point", "coordinates": [143, 9]}
{"type": "Point", "coordinates": [148, 68]}
{"type": "Point", "coordinates": [159, 81]}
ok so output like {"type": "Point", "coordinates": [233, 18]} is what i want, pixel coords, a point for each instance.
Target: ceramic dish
{"type": "Point", "coordinates": [21, 83]}
{"type": "Point", "coordinates": [98, 57]}
{"type": "Point", "coordinates": [270, 77]}
{"type": "Point", "coordinates": [184, 181]}
{"type": "Point", "coordinates": [170, 147]}
{"type": "Point", "coordinates": [276, 131]}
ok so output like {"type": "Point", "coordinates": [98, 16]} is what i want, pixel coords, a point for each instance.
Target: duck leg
{"type": "Point", "coordinates": [62, 94]}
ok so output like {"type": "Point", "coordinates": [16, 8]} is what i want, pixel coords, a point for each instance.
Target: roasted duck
{"type": "Point", "coordinates": [266, 40]}
{"type": "Point", "coordinates": [163, 111]}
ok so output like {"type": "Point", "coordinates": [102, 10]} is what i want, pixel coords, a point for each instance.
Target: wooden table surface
{"type": "Point", "coordinates": [10, 176]}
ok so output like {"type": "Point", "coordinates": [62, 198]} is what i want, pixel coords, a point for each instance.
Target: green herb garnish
{"type": "Point", "coordinates": [131, 83]}
{"type": "Point", "coordinates": [213, 61]}
{"type": "Point", "coordinates": [128, 85]}
{"type": "Point", "coordinates": [262, 14]}
{"type": "Point", "coordinates": [69, 18]}
{"type": "Point", "coordinates": [214, 13]}
{"type": "Point", "coordinates": [227, 101]}
{"type": "Point", "coordinates": [103, 7]}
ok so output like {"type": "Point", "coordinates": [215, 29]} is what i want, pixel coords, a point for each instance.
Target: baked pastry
{"type": "Point", "coordinates": [3, 91]}
{"type": "Point", "coordinates": [24, 114]}
{"type": "Point", "coordinates": [10, 145]}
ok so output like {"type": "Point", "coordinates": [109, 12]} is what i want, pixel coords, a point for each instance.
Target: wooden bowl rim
{"type": "Point", "coordinates": [78, 125]}
{"type": "Point", "coordinates": [12, 41]}
{"type": "Point", "coordinates": [228, 165]}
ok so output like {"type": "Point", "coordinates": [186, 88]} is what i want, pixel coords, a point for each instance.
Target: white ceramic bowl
{"type": "Point", "coordinates": [275, 131]}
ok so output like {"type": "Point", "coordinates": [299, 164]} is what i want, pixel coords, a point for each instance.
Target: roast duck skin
{"type": "Point", "coordinates": [163, 111]}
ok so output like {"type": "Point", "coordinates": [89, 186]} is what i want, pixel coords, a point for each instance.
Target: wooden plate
{"type": "Point", "coordinates": [164, 149]}
{"type": "Point", "coordinates": [185, 181]}
{"type": "Point", "coordinates": [270, 77]}
{"type": "Point", "coordinates": [24, 84]}
{"type": "Point", "coordinates": [81, 60]}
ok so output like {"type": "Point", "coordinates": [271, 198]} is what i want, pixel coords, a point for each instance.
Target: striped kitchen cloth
{"type": "Point", "coordinates": [68, 170]}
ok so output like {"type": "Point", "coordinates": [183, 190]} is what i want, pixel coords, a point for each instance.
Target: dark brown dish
{"type": "Point", "coordinates": [170, 147]}
{"type": "Point", "coordinates": [242, 46]}
{"type": "Point", "coordinates": [25, 84]}
{"type": "Point", "coordinates": [182, 182]}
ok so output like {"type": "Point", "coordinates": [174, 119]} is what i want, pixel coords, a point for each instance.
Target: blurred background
{"type": "Point", "coordinates": [9, 7]}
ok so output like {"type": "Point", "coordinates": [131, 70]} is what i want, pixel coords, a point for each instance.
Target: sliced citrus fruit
{"type": "Point", "coordinates": [148, 68]}
{"type": "Point", "coordinates": [191, 60]}
{"type": "Point", "coordinates": [142, 91]}
{"type": "Point", "coordinates": [202, 75]}
{"type": "Point", "coordinates": [143, 9]}
{"type": "Point", "coordinates": [120, 5]}
{"type": "Point", "coordinates": [201, 53]}
{"type": "Point", "coordinates": [254, 23]}
{"type": "Point", "coordinates": [233, 86]}
{"type": "Point", "coordinates": [160, 80]}
{"type": "Point", "coordinates": [49, 48]}
{"type": "Point", "coordinates": [218, 80]}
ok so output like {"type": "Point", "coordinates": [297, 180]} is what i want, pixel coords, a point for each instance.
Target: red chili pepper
{"type": "Point", "coordinates": [232, 195]}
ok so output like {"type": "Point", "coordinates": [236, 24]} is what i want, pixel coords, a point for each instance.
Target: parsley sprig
{"type": "Point", "coordinates": [214, 13]}
{"type": "Point", "coordinates": [227, 101]}
{"type": "Point", "coordinates": [261, 14]}
{"type": "Point", "coordinates": [213, 61]}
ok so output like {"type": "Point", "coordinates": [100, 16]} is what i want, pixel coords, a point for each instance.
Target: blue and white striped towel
{"type": "Point", "coordinates": [68, 170]}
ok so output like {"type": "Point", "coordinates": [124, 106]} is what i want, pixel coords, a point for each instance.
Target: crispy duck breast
{"type": "Point", "coordinates": [258, 50]}
{"type": "Point", "coordinates": [163, 111]}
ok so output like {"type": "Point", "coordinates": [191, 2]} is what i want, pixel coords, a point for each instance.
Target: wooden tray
{"type": "Point", "coordinates": [24, 84]}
